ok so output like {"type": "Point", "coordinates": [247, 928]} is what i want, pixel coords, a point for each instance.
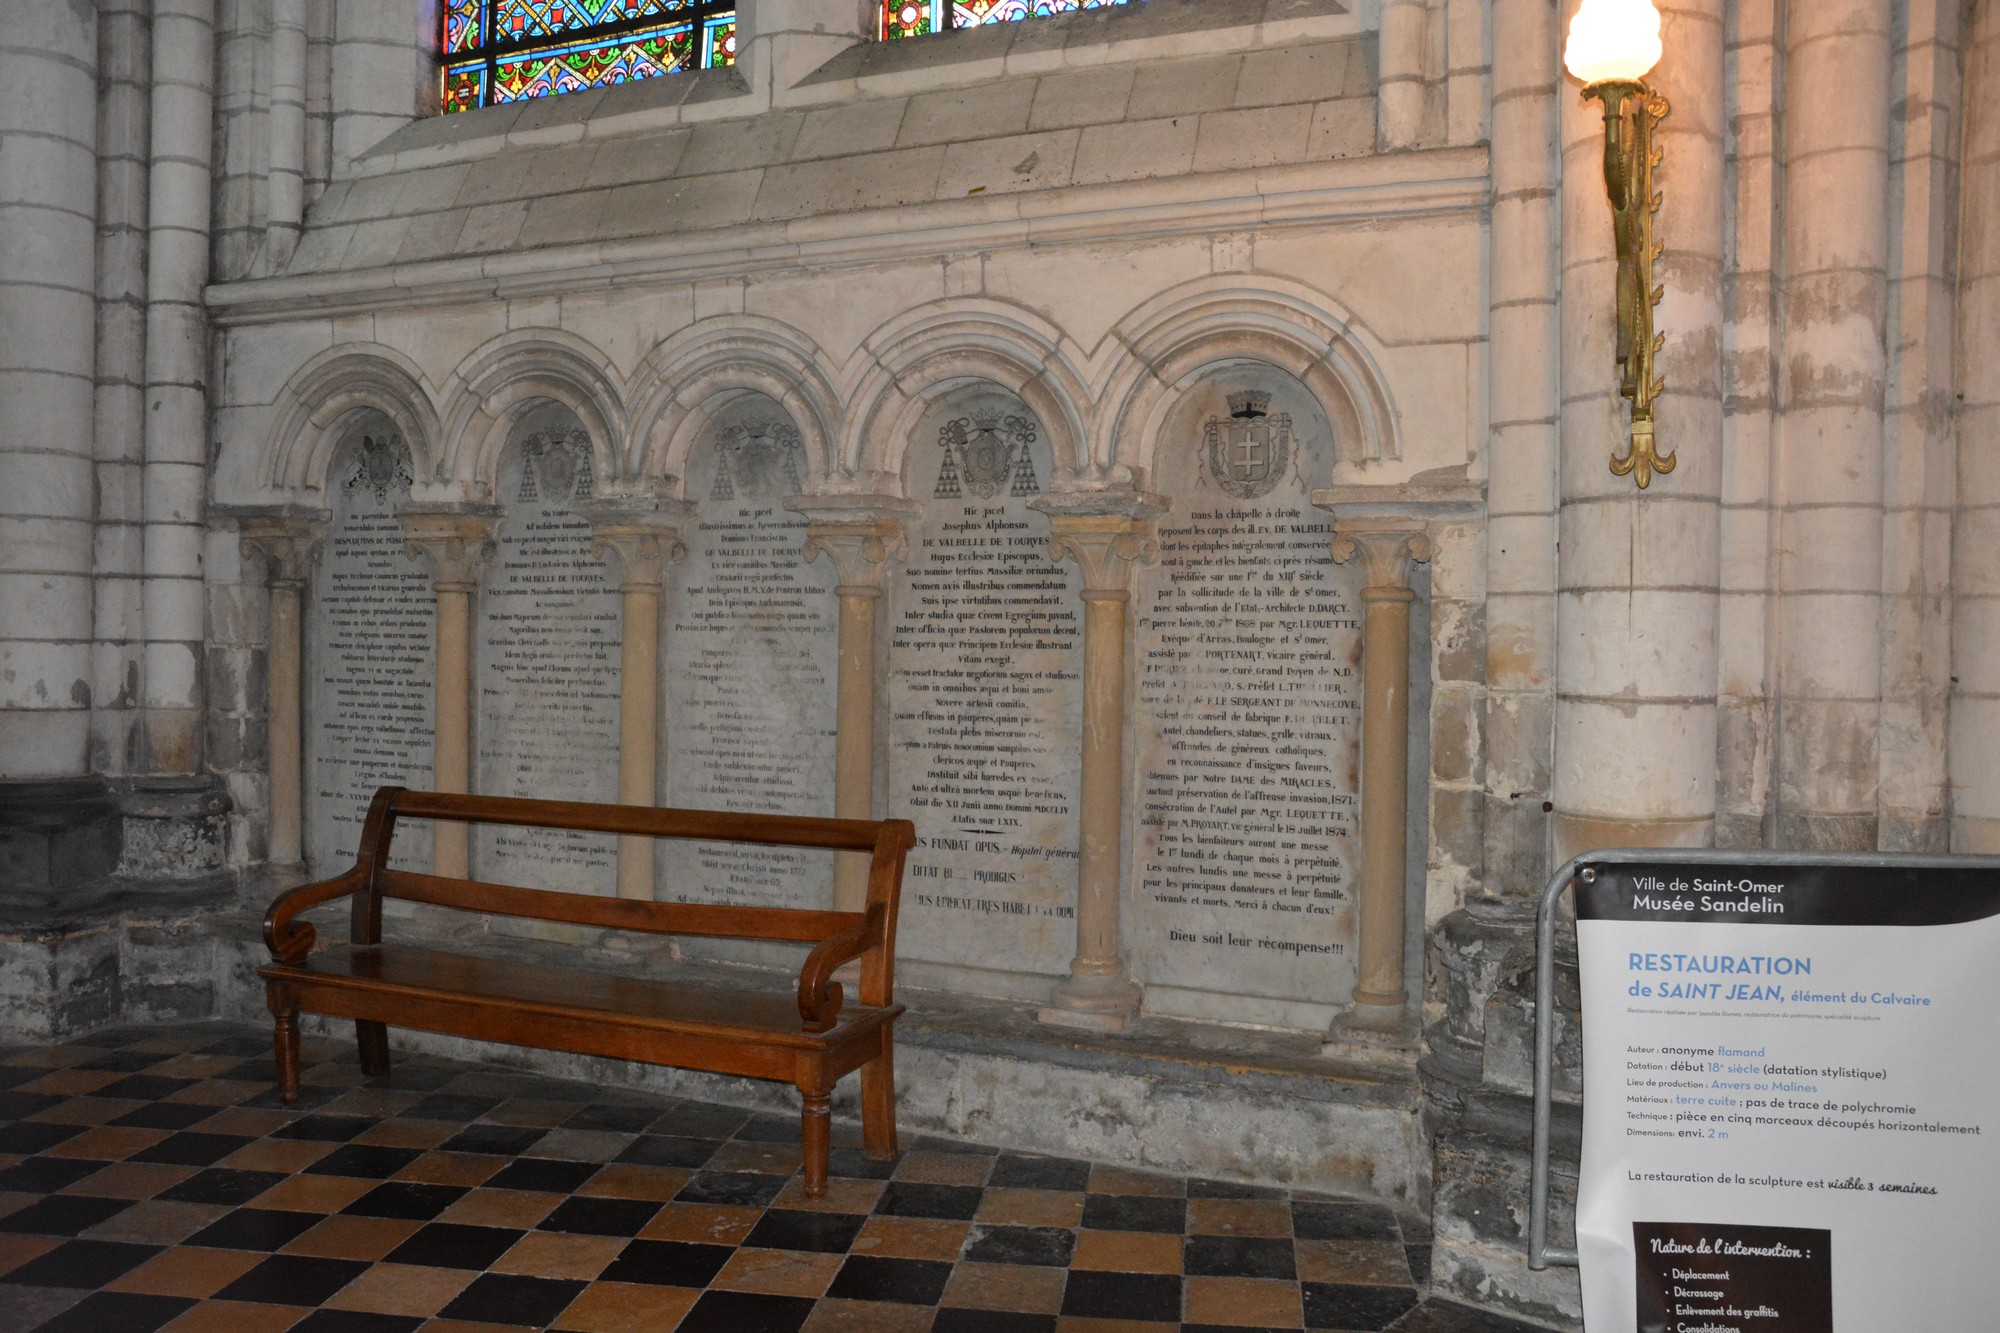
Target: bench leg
{"type": "Point", "coordinates": [373, 1039]}
{"type": "Point", "coordinates": [878, 1104]}
{"type": "Point", "coordinates": [285, 1043]}
{"type": "Point", "coordinates": [816, 1126]}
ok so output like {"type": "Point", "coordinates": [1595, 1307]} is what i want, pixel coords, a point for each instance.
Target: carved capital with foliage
{"type": "Point", "coordinates": [861, 551]}
{"type": "Point", "coordinates": [1388, 547]}
{"type": "Point", "coordinates": [645, 540]}
{"type": "Point", "coordinates": [290, 540]}
{"type": "Point", "coordinates": [456, 539]}
{"type": "Point", "coordinates": [1105, 547]}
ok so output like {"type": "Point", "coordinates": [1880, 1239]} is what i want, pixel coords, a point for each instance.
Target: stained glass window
{"type": "Point", "coordinates": [496, 51]}
{"type": "Point", "coordinates": [914, 18]}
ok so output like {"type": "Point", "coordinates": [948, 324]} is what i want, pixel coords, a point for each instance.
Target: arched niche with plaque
{"type": "Point", "coordinates": [752, 656]}
{"type": "Point", "coordinates": [985, 702]}
{"type": "Point", "coordinates": [370, 654]}
{"type": "Point", "coordinates": [1246, 718]}
{"type": "Point", "coordinates": [549, 632]}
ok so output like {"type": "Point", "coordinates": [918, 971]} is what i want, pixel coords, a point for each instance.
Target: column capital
{"type": "Point", "coordinates": [456, 539]}
{"type": "Point", "coordinates": [643, 534]}
{"type": "Point", "coordinates": [290, 539]}
{"type": "Point", "coordinates": [1388, 547]}
{"type": "Point", "coordinates": [860, 550]}
{"type": "Point", "coordinates": [1104, 546]}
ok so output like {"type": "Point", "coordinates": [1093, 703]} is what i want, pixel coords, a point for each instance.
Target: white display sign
{"type": "Point", "coordinates": [1790, 1099]}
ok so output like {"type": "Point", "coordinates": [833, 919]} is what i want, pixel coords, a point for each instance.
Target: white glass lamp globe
{"type": "Point", "coordinates": [1613, 39]}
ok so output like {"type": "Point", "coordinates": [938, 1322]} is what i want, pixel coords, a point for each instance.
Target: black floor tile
{"type": "Point", "coordinates": [145, 1087]}
{"type": "Point", "coordinates": [167, 1115]}
{"type": "Point", "coordinates": [222, 1184]}
{"type": "Point", "coordinates": [124, 1034]}
{"type": "Point", "coordinates": [364, 1161]}
{"type": "Point", "coordinates": [500, 1140]}
{"type": "Point", "coordinates": [1134, 1212]}
{"type": "Point", "coordinates": [265, 1229]}
{"type": "Point", "coordinates": [454, 1245]}
{"type": "Point", "coordinates": [546, 1174]}
{"type": "Point", "coordinates": [1355, 1307]}
{"type": "Point", "coordinates": [293, 1279]}
{"type": "Point", "coordinates": [1436, 1316]}
{"type": "Point", "coordinates": [615, 1119]}
{"type": "Point", "coordinates": [745, 1312]}
{"type": "Point", "coordinates": [12, 1075]}
{"type": "Point", "coordinates": [24, 1137]}
{"type": "Point", "coordinates": [123, 1062]}
{"type": "Point", "coordinates": [21, 1105]}
{"type": "Point", "coordinates": [766, 1128]}
{"type": "Point", "coordinates": [1420, 1263]}
{"type": "Point", "coordinates": [118, 1312]}
{"type": "Point", "coordinates": [63, 1215]}
{"type": "Point", "coordinates": [1039, 1173]}
{"type": "Point", "coordinates": [240, 1044]}
{"type": "Point", "coordinates": [743, 1188]}
{"type": "Point", "coordinates": [500, 1298]}
{"type": "Point", "coordinates": [356, 1321]}
{"type": "Point", "coordinates": [405, 1077]}
{"type": "Point", "coordinates": [795, 1229]}
{"type": "Point", "coordinates": [697, 1120]}
{"type": "Point", "coordinates": [1229, 1189]}
{"type": "Point", "coordinates": [408, 1200]}
{"type": "Point", "coordinates": [1041, 1247]}
{"type": "Point", "coordinates": [865, 1277]}
{"type": "Point", "coordinates": [951, 1320]}
{"type": "Point", "coordinates": [951, 1203]}
{"type": "Point", "coordinates": [854, 1164]}
{"type": "Point", "coordinates": [590, 1216]}
{"type": "Point", "coordinates": [1136, 1296]}
{"type": "Point", "coordinates": [932, 1143]}
{"type": "Point", "coordinates": [192, 1148]}
{"type": "Point", "coordinates": [88, 1264]}
{"type": "Point", "coordinates": [670, 1150]}
{"type": "Point", "coordinates": [667, 1263]}
{"type": "Point", "coordinates": [46, 1175]}
{"type": "Point", "coordinates": [1343, 1220]}
{"type": "Point", "coordinates": [449, 1106]}
{"type": "Point", "coordinates": [1238, 1256]}
{"type": "Point", "coordinates": [327, 1128]}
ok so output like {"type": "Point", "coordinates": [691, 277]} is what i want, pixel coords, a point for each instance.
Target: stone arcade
{"type": "Point", "coordinates": [1159, 449]}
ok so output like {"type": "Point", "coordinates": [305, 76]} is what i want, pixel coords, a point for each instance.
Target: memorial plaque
{"type": "Point", "coordinates": [369, 655]}
{"type": "Point", "coordinates": [1247, 718]}
{"type": "Point", "coordinates": [985, 698]}
{"type": "Point", "coordinates": [549, 636]}
{"type": "Point", "coordinates": [753, 656]}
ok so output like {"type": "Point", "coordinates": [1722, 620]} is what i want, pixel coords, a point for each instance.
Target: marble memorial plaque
{"type": "Point", "coordinates": [370, 646]}
{"type": "Point", "coordinates": [547, 677]}
{"type": "Point", "coordinates": [985, 698]}
{"type": "Point", "coordinates": [1246, 720]}
{"type": "Point", "coordinates": [753, 657]}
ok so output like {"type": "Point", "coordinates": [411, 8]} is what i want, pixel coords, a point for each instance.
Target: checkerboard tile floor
{"type": "Point", "coordinates": [149, 1179]}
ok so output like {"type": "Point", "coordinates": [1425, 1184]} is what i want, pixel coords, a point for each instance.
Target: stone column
{"type": "Point", "coordinates": [290, 542]}
{"type": "Point", "coordinates": [458, 541]}
{"type": "Point", "coordinates": [645, 541]}
{"type": "Point", "coordinates": [1106, 536]}
{"type": "Point", "coordinates": [861, 542]}
{"type": "Point", "coordinates": [1403, 90]}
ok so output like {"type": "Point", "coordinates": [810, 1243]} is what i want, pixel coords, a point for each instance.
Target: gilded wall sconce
{"type": "Point", "coordinates": [1613, 45]}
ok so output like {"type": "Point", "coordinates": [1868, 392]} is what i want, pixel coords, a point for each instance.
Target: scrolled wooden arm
{"type": "Point", "coordinates": [290, 941]}
{"type": "Point", "coordinates": [820, 996]}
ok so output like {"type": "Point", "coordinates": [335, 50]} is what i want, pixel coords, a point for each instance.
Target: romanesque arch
{"type": "Point", "coordinates": [493, 387]}
{"type": "Point", "coordinates": [321, 403]}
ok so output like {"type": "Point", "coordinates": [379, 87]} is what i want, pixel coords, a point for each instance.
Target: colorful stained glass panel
{"type": "Point", "coordinates": [914, 18]}
{"type": "Point", "coordinates": [462, 25]}
{"type": "Point", "coordinates": [538, 48]}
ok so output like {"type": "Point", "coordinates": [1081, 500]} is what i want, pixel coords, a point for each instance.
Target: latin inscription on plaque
{"type": "Point", "coordinates": [753, 649]}
{"type": "Point", "coordinates": [370, 639]}
{"type": "Point", "coordinates": [548, 670]}
{"type": "Point", "coordinates": [1248, 721]}
{"type": "Point", "coordinates": [985, 700]}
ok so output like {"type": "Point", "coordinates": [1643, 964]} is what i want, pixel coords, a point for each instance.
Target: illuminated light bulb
{"type": "Point", "coordinates": [1613, 40]}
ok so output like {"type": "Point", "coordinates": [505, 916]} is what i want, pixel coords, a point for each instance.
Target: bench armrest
{"type": "Point", "coordinates": [820, 996]}
{"type": "Point", "coordinates": [290, 941]}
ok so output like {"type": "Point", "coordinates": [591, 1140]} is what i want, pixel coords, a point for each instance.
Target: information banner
{"type": "Point", "coordinates": [1791, 1098]}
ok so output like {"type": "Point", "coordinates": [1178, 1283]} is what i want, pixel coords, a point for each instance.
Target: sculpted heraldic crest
{"type": "Point", "coordinates": [1250, 451]}
{"type": "Point", "coordinates": [383, 466]}
{"type": "Point", "coordinates": [986, 455]}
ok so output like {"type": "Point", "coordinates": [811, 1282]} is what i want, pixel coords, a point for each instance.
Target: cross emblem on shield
{"type": "Point", "coordinates": [1248, 457]}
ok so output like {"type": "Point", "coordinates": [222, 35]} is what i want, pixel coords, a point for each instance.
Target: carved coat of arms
{"type": "Point", "coordinates": [985, 455]}
{"type": "Point", "coordinates": [557, 468]}
{"type": "Point", "coordinates": [1251, 450]}
{"type": "Point", "coordinates": [384, 466]}
{"type": "Point", "coordinates": [758, 460]}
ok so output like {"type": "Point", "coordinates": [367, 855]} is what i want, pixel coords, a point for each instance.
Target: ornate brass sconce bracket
{"type": "Point", "coordinates": [1631, 110]}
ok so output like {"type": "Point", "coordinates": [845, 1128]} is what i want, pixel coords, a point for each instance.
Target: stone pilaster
{"type": "Point", "coordinates": [1107, 535]}
{"type": "Point", "coordinates": [458, 541]}
{"type": "Point", "coordinates": [290, 541]}
{"type": "Point", "coordinates": [645, 540]}
{"type": "Point", "coordinates": [862, 537]}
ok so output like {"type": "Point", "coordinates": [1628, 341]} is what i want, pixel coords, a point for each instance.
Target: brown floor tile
{"type": "Point", "coordinates": [51, 1057]}
{"type": "Point", "coordinates": [247, 1121]}
{"type": "Point", "coordinates": [452, 1168]}
{"type": "Point", "coordinates": [1122, 1180]}
{"type": "Point", "coordinates": [911, 1238]}
{"type": "Point", "coordinates": [1073, 1324]}
{"type": "Point", "coordinates": [70, 1082]}
{"type": "Point", "coordinates": [772, 1159]}
{"type": "Point", "coordinates": [624, 1307]}
{"type": "Point", "coordinates": [703, 1223]}
{"type": "Point", "coordinates": [1374, 1261]}
{"type": "Point", "coordinates": [585, 1145]}
{"type": "Point", "coordinates": [1031, 1208]}
{"type": "Point", "coordinates": [501, 1208]}
{"type": "Point", "coordinates": [468, 1326]}
{"type": "Point", "coordinates": [156, 1222]}
{"type": "Point", "coordinates": [195, 1066]}
{"type": "Point", "coordinates": [402, 1289]}
{"type": "Point", "coordinates": [315, 1194]}
{"type": "Point", "coordinates": [16, 1250]}
{"type": "Point", "coordinates": [409, 1133]}
{"type": "Point", "coordinates": [13, 1202]}
{"type": "Point", "coordinates": [842, 1196]}
{"type": "Point", "coordinates": [109, 1143]}
{"type": "Point", "coordinates": [779, 1272]}
{"type": "Point", "coordinates": [625, 1180]}
{"type": "Point", "coordinates": [86, 1111]}
{"type": "Point", "coordinates": [868, 1317]}
{"type": "Point", "coordinates": [374, 1101]}
{"type": "Point", "coordinates": [944, 1168]}
{"type": "Point", "coordinates": [131, 1180]}
{"type": "Point", "coordinates": [30, 1307]}
{"type": "Point", "coordinates": [1127, 1252]}
{"type": "Point", "coordinates": [1255, 1301]}
{"type": "Point", "coordinates": [367, 1238]}
{"type": "Point", "coordinates": [238, 1317]}
{"type": "Point", "coordinates": [558, 1254]}
{"type": "Point", "coordinates": [287, 1155]}
{"type": "Point", "coordinates": [217, 1092]}
{"type": "Point", "coordinates": [1239, 1217]}
{"type": "Point", "coordinates": [1015, 1287]}
{"type": "Point", "coordinates": [187, 1271]}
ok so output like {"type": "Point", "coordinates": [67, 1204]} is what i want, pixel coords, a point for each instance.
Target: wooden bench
{"type": "Point", "coordinates": [809, 1044]}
